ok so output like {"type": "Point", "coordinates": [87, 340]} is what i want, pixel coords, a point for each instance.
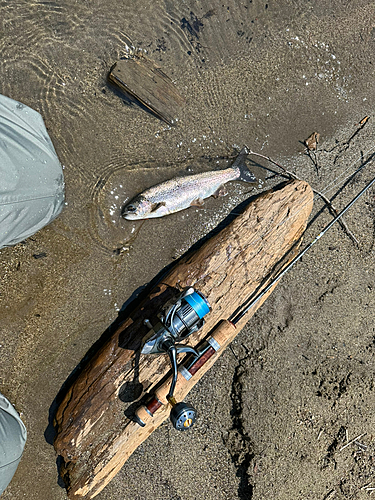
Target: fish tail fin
{"type": "Point", "coordinates": [239, 164]}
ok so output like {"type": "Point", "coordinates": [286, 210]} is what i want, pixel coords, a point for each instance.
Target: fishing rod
{"type": "Point", "coordinates": [185, 316]}
{"type": "Point", "coordinates": [252, 300]}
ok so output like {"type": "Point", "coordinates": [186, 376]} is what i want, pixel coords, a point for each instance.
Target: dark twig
{"type": "Point", "coordinates": [335, 212]}
{"type": "Point", "coordinates": [313, 159]}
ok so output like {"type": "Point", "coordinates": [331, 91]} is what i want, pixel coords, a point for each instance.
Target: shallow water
{"type": "Point", "coordinates": [265, 74]}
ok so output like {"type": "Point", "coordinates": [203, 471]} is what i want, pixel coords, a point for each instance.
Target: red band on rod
{"type": "Point", "coordinates": [153, 405]}
{"type": "Point", "coordinates": [201, 361]}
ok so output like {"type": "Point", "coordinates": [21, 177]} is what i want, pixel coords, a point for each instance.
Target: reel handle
{"type": "Point", "coordinates": [221, 336]}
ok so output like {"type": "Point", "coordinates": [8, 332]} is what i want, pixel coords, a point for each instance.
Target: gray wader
{"type": "Point", "coordinates": [12, 441]}
{"type": "Point", "coordinates": [31, 177]}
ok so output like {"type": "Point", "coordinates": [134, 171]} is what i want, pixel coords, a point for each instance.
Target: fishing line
{"type": "Point", "coordinates": [331, 185]}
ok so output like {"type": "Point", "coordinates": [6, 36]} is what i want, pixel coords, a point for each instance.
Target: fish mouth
{"type": "Point", "coordinates": [130, 216]}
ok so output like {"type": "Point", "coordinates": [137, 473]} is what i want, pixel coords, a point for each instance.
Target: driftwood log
{"type": "Point", "coordinates": [95, 431]}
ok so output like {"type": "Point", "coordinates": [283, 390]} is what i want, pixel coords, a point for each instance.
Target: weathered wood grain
{"type": "Point", "coordinates": [142, 79]}
{"type": "Point", "coordinates": [95, 435]}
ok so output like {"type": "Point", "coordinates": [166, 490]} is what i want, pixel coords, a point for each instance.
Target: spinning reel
{"type": "Point", "coordinates": [178, 320]}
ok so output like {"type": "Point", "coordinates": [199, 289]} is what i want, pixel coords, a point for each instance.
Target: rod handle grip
{"type": "Point", "coordinates": [143, 416]}
{"type": "Point", "coordinates": [223, 333]}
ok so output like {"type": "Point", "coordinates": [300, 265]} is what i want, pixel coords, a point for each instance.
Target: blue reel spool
{"type": "Point", "coordinates": [198, 303]}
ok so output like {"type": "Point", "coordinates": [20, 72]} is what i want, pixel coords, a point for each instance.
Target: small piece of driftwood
{"type": "Point", "coordinates": [146, 82]}
{"type": "Point", "coordinates": [95, 432]}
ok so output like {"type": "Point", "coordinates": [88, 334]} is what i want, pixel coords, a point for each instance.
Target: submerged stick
{"type": "Point", "coordinates": [142, 79]}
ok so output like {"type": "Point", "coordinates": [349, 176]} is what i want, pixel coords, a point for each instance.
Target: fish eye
{"type": "Point", "coordinates": [131, 208]}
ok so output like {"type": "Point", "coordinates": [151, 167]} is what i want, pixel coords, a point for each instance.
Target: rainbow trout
{"type": "Point", "coordinates": [183, 192]}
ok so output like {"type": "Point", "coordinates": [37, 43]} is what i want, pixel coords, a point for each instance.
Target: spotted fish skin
{"type": "Point", "coordinates": [180, 193]}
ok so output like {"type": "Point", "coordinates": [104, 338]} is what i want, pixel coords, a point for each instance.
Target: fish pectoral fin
{"type": "Point", "coordinates": [221, 191]}
{"type": "Point", "coordinates": [197, 203]}
{"type": "Point", "coordinates": [156, 206]}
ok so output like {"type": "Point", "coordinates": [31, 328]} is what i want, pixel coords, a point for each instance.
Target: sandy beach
{"type": "Point", "coordinates": [288, 411]}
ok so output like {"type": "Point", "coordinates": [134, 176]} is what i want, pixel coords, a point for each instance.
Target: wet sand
{"type": "Point", "coordinates": [278, 408]}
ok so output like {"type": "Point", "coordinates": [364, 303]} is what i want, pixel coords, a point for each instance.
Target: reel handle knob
{"type": "Point", "coordinates": [183, 416]}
